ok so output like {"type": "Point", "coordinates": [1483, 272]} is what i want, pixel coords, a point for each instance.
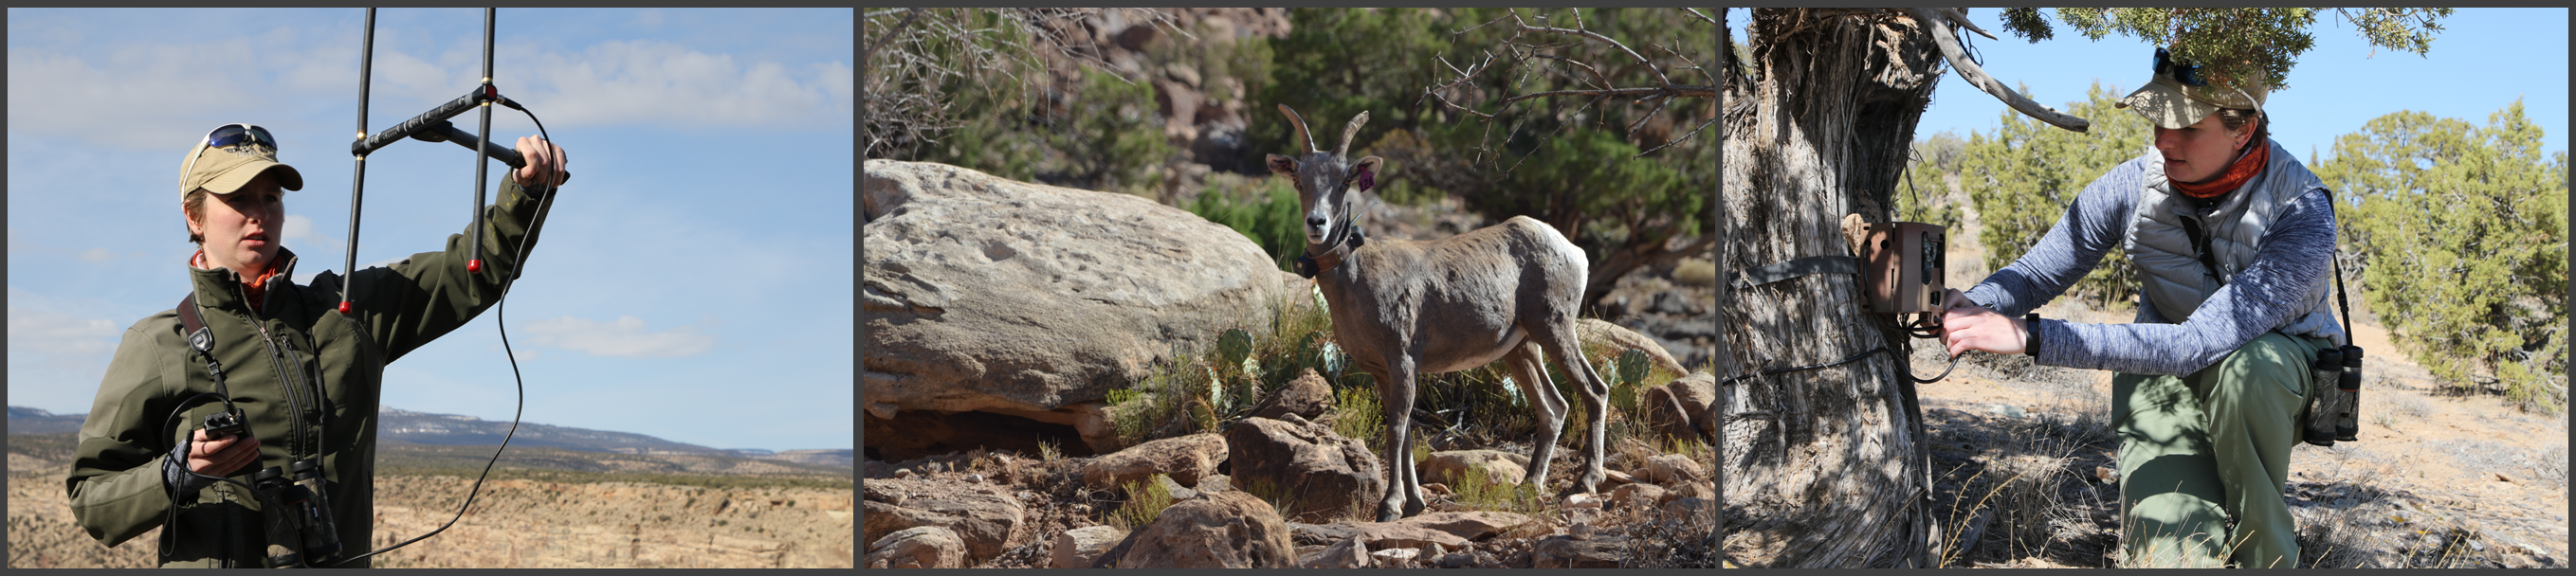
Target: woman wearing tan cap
{"type": "Point", "coordinates": [2232, 238]}
{"type": "Point", "coordinates": [298, 375]}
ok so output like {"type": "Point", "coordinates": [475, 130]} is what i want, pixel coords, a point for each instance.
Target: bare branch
{"type": "Point", "coordinates": [911, 14]}
{"type": "Point", "coordinates": [1694, 131]}
{"type": "Point", "coordinates": [1686, 91]}
{"type": "Point", "coordinates": [1641, 59]}
{"type": "Point", "coordinates": [1942, 35]}
{"type": "Point", "coordinates": [1650, 115]}
{"type": "Point", "coordinates": [1596, 73]}
{"type": "Point", "coordinates": [1702, 17]}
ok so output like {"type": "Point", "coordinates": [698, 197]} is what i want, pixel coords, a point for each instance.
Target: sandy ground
{"type": "Point", "coordinates": [515, 523]}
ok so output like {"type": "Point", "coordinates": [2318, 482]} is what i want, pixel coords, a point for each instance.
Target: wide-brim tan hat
{"type": "Point", "coordinates": [2171, 104]}
{"type": "Point", "coordinates": [224, 169]}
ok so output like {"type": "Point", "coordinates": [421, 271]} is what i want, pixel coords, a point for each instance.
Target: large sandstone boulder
{"type": "Point", "coordinates": [988, 295]}
{"type": "Point", "coordinates": [982, 516]}
{"type": "Point", "coordinates": [1323, 472]}
{"type": "Point", "coordinates": [1230, 530]}
{"type": "Point", "coordinates": [1185, 459]}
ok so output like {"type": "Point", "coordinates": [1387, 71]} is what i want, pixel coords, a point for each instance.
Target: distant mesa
{"type": "Point", "coordinates": [400, 426]}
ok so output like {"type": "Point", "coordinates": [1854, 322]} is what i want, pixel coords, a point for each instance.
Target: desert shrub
{"type": "Point", "coordinates": [1146, 500]}
{"type": "Point", "coordinates": [2460, 235]}
{"type": "Point", "coordinates": [1473, 489]}
{"type": "Point", "coordinates": [1283, 499]}
{"type": "Point", "coordinates": [1112, 135]}
{"type": "Point", "coordinates": [1264, 210]}
{"type": "Point", "coordinates": [2024, 176]}
{"type": "Point", "coordinates": [1923, 197]}
{"type": "Point", "coordinates": [1357, 415]}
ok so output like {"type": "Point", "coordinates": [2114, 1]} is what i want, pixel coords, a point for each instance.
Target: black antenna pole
{"type": "Point", "coordinates": [358, 186]}
{"type": "Point", "coordinates": [474, 261]}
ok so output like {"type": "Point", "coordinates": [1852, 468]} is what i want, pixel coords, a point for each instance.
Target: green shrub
{"type": "Point", "coordinates": [1264, 210]}
{"type": "Point", "coordinates": [1112, 135]}
{"type": "Point", "coordinates": [1475, 490]}
{"type": "Point", "coordinates": [1145, 500]}
{"type": "Point", "coordinates": [2023, 177]}
{"type": "Point", "coordinates": [2460, 232]}
{"type": "Point", "coordinates": [1358, 415]}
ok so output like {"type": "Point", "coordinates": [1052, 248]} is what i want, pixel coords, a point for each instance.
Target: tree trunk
{"type": "Point", "coordinates": [1824, 467]}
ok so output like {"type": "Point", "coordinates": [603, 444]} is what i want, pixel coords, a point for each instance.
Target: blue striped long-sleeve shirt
{"type": "Point", "coordinates": [2292, 257]}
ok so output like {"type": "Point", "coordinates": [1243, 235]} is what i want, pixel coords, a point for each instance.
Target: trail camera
{"type": "Point", "coordinates": [1902, 265]}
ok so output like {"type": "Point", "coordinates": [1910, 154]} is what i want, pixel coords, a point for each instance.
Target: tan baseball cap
{"type": "Point", "coordinates": [224, 169]}
{"type": "Point", "coordinates": [2172, 102]}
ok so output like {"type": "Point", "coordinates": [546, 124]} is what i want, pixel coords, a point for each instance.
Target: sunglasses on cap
{"type": "Point", "coordinates": [229, 135]}
{"type": "Point", "coordinates": [2188, 75]}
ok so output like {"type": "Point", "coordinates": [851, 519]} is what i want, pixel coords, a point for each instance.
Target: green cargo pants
{"type": "Point", "coordinates": [2200, 449]}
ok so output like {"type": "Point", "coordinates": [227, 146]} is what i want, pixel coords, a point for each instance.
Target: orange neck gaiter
{"type": "Point", "coordinates": [2247, 165]}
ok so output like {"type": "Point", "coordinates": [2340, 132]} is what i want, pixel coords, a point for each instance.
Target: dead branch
{"type": "Point", "coordinates": [1600, 85]}
{"type": "Point", "coordinates": [908, 92]}
{"type": "Point", "coordinates": [1937, 25]}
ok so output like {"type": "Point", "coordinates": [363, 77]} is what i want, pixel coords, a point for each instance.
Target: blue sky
{"type": "Point", "coordinates": [694, 279]}
{"type": "Point", "coordinates": [2482, 60]}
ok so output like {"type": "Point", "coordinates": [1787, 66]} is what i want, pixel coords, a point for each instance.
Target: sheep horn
{"type": "Point", "coordinates": [1353, 130]}
{"type": "Point", "coordinates": [1308, 136]}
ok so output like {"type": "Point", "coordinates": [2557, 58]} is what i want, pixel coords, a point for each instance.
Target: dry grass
{"type": "Point", "coordinates": [1146, 500]}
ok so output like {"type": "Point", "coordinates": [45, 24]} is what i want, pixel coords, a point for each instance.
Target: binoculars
{"type": "Point", "coordinates": [298, 517]}
{"type": "Point", "coordinates": [2334, 401]}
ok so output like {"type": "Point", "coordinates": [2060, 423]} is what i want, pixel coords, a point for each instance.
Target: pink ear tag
{"type": "Point", "coordinates": [1366, 180]}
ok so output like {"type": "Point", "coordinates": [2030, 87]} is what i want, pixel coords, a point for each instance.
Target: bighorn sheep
{"type": "Point", "coordinates": [1401, 308]}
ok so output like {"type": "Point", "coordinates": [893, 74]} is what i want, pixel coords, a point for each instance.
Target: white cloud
{"type": "Point", "coordinates": [625, 337]}
{"type": "Point", "coordinates": [656, 82]}
{"type": "Point", "coordinates": [48, 332]}
{"type": "Point", "coordinates": [298, 226]}
{"type": "Point", "coordinates": [524, 355]}
{"type": "Point", "coordinates": [139, 97]}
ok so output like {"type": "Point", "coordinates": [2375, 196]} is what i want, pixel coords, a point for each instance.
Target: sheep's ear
{"type": "Point", "coordinates": [1364, 173]}
{"type": "Point", "coordinates": [1283, 165]}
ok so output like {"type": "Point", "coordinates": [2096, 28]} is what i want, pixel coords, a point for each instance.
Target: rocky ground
{"type": "Point", "coordinates": [1302, 493]}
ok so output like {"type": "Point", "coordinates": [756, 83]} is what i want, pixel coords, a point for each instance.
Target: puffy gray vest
{"type": "Point", "coordinates": [2173, 279]}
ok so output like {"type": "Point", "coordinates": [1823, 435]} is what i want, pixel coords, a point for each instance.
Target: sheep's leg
{"type": "Point", "coordinates": [1529, 371]}
{"type": "Point", "coordinates": [1559, 340]}
{"type": "Point", "coordinates": [1395, 397]}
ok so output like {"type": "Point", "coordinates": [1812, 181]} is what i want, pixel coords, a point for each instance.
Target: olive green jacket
{"type": "Point", "coordinates": [276, 362]}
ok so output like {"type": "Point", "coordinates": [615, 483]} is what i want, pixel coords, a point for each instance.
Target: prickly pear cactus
{"type": "Point", "coordinates": [1626, 372]}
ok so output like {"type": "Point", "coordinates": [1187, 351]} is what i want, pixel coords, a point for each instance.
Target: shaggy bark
{"type": "Point", "coordinates": [1826, 467]}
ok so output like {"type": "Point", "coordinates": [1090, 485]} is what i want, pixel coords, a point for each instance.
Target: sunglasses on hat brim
{"type": "Point", "coordinates": [2187, 74]}
{"type": "Point", "coordinates": [229, 135]}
